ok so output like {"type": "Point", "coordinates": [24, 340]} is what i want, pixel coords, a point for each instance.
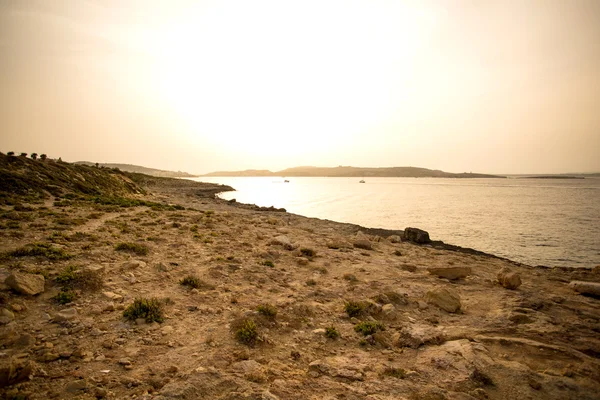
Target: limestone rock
{"type": "Point", "coordinates": [590, 288]}
{"type": "Point", "coordinates": [133, 264]}
{"type": "Point", "coordinates": [445, 299]}
{"type": "Point", "coordinates": [388, 309]}
{"type": "Point", "coordinates": [7, 313]}
{"type": "Point", "coordinates": [363, 244]}
{"type": "Point", "coordinates": [509, 279]}
{"type": "Point", "coordinates": [14, 370]}
{"type": "Point", "coordinates": [283, 241]}
{"type": "Point", "coordinates": [418, 335]}
{"type": "Point", "coordinates": [94, 269]}
{"type": "Point", "coordinates": [66, 315]}
{"type": "Point", "coordinates": [338, 243]}
{"type": "Point", "coordinates": [395, 239]}
{"type": "Point", "coordinates": [338, 367]}
{"type": "Point", "coordinates": [28, 284]}
{"type": "Point", "coordinates": [450, 272]}
{"type": "Point", "coordinates": [416, 235]}
{"type": "Point", "coordinates": [113, 296]}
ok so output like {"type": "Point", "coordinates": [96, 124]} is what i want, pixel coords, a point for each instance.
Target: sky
{"type": "Point", "coordinates": [506, 86]}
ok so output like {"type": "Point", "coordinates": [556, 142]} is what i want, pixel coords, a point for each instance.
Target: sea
{"type": "Point", "coordinates": [550, 222]}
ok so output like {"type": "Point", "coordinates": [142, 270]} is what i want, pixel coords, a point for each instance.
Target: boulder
{"type": "Point", "coordinates": [509, 279]}
{"type": "Point", "coordinates": [445, 299]}
{"type": "Point", "coordinates": [395, 238]}
{"type": "Point", "coordinates": [589, 288]}
{"type": "Point", "coordinates": [451, 272]}
{"type": "Point", "coordinates": [363, 244]}
{"type": "Point", "coordinates": [284, 242]}
{"type": "Point", "coordinates": [416, 235]}
{"type": "Point", "coordinates": [28, 284]}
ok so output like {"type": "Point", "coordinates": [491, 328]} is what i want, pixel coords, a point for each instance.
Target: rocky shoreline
{"type": "Point", "coordinates": [247, 303]}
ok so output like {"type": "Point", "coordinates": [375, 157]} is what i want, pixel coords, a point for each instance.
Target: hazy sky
{"type": "Point", "coordinates": [460, 85]}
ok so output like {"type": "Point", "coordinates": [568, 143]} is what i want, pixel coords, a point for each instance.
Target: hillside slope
{"type": "Point", "coordinates": [141, 170]}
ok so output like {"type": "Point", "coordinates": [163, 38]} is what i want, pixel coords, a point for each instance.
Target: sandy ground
{"type": "Point", "coordinates": [539, 341]}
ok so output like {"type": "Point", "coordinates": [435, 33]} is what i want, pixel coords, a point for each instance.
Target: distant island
{"type": "Point", "coordinates": [142, 170]}
{"type": "Point", "coordinates": [342, 171]}
{"type": "Point", "coordinates": [552, 177]}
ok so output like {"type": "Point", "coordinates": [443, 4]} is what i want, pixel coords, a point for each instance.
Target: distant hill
{"type": "Point", "coordinates": [408, 172]}
{"type": "Point", "coordinates": [142, 170]}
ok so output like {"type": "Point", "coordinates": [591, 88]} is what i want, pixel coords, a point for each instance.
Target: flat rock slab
{"type": "Point", "coordinates": [590, 288]}
{"type": "Point", "coordinates": [28, 284]}
{"type": "Point", "coordinates": [445, 299]}
{"type": "Point", "coordinates": [338, 367]}
{"type": "Point", "coordinates": [450, 272]}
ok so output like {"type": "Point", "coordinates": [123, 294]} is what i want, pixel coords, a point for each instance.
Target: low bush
{"type": "Point", "coordinates": [267, 310]}
{"type": "Point", "coordinates": [331, 332]}
{"type": "Point", "coordinates": [369, 327]}
{"type": "Point", "coordinates": [149, 309]}
{"type": "Point", "coordinates": [247, 332]}
{"type": "Point", "coordinates": [40, 250]}
{"type": "Point", "coordinates": [354, 308]}
{"type": "Point", "coordinates": [65, 296]}
{"type": "Point", "coordinates": [139, 249]}
{"type": "Point", "coordinates": [194, 282]}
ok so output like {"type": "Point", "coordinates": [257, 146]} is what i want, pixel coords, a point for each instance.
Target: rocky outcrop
{"type": "Point", "coordinates": [27, 284]}
{"type": "Point", "coordinates": [446, 299]}
{"type": "Point", "coordinates": [451, 272]}
{"type": "Point", "coordinates": [418, 335]}
{"type": "Point", "coordinates": [509, 279]}
{"type": "Point", "coordinates": [416, 235]}
{"type": "Point", "coordinates": [589, 288]}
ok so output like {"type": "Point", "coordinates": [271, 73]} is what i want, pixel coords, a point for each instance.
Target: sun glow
{"type": "Point", "coordinates": [260, 76]}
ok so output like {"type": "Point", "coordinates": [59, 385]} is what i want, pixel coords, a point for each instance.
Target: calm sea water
{"type": "Point", "coordinates": [534, 221]}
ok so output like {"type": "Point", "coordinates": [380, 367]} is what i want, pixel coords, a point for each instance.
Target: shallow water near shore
{"type": "Point", "coordinates": [536, 222]}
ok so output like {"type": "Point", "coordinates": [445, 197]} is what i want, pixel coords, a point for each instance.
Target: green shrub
{"type": "Point", "coordinates": [247, 332]}
{"type": "Point", "coordinates": [149, 309]}
{"type": "Point", "coordinates": [139, 249]}
{"type": "Point", "coordinates": [331, 332]}
{"type": "Point", "coordinates": [40, 250]}
{"type": "Point", "coordinates": [354, 308]}
{"type": "Point", "coordinates": [369, 327]}
{"type": "Point", "coordinates": [67, 275]}
{"type": "Point", "coordinates": [268, 263]}
{"type": "Point", "coordinates": [268, 310]}
{"type": "Point", "coordinates": [195, 283]}
{"type": "Point", "coordinates": [311, 282]}
{"type": "Point", "coordinates": [65, 296]}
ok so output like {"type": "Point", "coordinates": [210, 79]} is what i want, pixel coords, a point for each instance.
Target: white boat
{"type": "Point", "coordinates": [361, 181]}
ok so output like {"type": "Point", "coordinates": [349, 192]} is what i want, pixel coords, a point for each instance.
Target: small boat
{"type": "Point", "coordinates": [286, 181]}
{"type": "Point", "coordinates": [361, 181]}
